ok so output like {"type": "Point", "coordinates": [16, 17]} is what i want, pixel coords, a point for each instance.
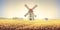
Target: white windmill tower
{"type": "Point", "coordinates": [30, 12]}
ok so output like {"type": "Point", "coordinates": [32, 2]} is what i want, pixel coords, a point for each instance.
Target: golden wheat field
{"type": "Point", "coordinates": [12, 24]}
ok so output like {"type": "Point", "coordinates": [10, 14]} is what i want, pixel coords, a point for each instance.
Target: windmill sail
{"type": "Point", "coordinates": [30, 12]}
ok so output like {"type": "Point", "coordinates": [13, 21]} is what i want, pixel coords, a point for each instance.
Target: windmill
{"type": "Point", "coordinates": [30, 12]}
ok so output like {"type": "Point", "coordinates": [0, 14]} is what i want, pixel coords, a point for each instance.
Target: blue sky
{"type": "Point", "coordinates": [3, 2]}
{"type": "Point", "coordinates": [58, 7]}
{"type": "Point", "coordinates": [1, 8]}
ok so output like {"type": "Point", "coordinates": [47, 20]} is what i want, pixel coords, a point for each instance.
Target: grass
{"type": "Point", "coordinates": [12, 24]}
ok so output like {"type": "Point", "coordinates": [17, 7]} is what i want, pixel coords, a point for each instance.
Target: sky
{"type": "Point", "coordinates": [16, 8]}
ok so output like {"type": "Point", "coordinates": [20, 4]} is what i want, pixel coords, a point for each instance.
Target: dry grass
{"type": "Point", "coordinates": [10, 24]}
